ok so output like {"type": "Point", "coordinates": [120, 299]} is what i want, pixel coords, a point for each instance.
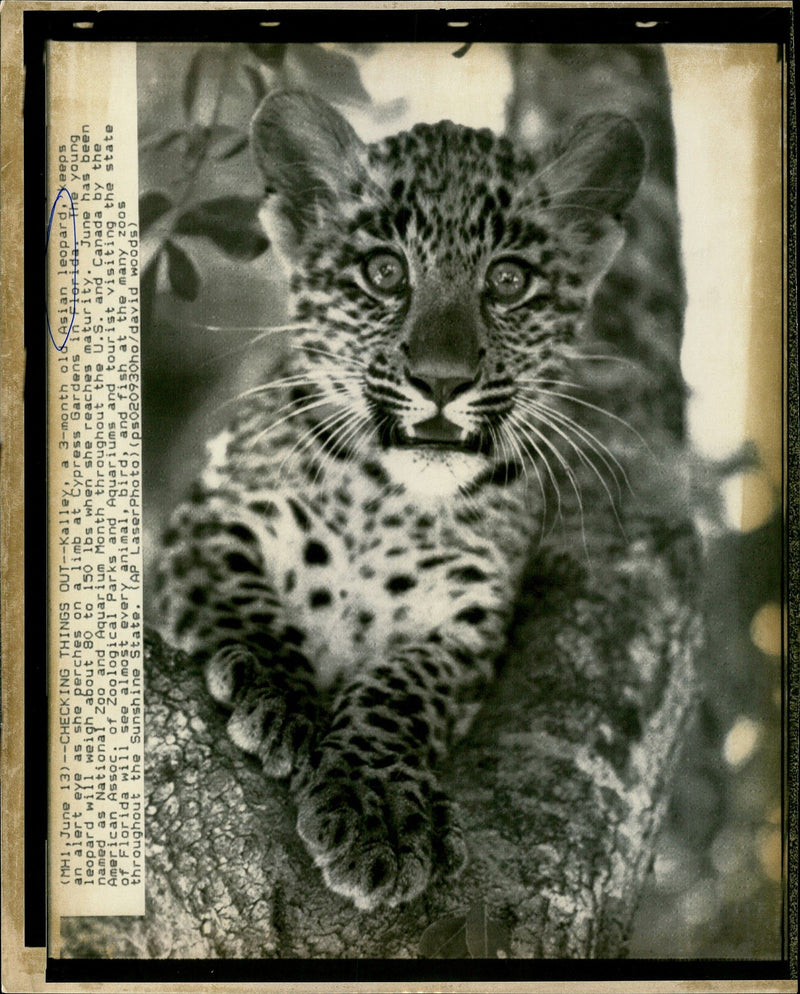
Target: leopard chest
{"type": "Point", "coordinates": [382, 576]}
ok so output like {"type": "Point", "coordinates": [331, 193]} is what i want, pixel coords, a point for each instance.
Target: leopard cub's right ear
{"type": "Point", "coordinates": [309, 156]}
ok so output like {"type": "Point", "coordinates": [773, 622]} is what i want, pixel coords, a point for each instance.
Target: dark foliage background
{"type": "Point", "coordinates": [209, 283]}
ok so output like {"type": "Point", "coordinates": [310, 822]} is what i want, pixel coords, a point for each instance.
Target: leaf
{"type": "Point", "coordinates": [151, 249]}
{"type": "Point", "coordinates": [198, 138]}
{"type": "Point", "coordinates": [203, 137]}
{"type": "Point", "coordinates": [152, 206]}
{"type": "Point", "coordinates": [445, 939]}
{"type": "Point", "coordinates": [484, 936]}
{"type": "Point", "coordinates": [235, 149]}
{"type": "Point", "coordinates": [230, 222]}
{"type": "Point", "coordinates": [332, 73]}
{"type": "Point", "coordinates": [207, 63]}
{"type": "Point", "coordinates": [271, 55]}
{"type": "Point", "coordinates": [257, 81]}
{"type": "Point", "coordinates": [229, 141]}
{"type": "Point", "coordinates": [219, 132]}
{"type": "Point", "coordinates": [182, 272]}
{"type": "Point", "coordinates": [161, 140]}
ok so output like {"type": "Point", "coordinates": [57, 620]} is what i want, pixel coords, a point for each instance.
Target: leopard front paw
{"type": "Point", "coordinates": [379, 835]}
{"type": "Point", "coordinates": [276, 728]}
{"type": "Point", "coordinates": [262, 724]}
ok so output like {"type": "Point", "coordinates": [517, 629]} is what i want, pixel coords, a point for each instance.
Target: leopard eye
{"type": "Point", "coordinates": [507, 280]}
{"type": "Point", "coordinates": [385, 272]}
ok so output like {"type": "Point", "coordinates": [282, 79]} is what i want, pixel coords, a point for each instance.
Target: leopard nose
{"type": "Point", "coordinates": [441, 389]}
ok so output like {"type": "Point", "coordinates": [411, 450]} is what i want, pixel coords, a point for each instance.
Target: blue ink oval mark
{"type": "Point", "coordinates": [63, 345]}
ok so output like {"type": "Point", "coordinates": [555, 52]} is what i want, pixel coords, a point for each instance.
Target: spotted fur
{"type": "Point", "coordinates": [348, 564]}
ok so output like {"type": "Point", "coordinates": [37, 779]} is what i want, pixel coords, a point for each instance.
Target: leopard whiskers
{"type": "Point", "coordinates": [550, 419]}
{"type": "Point", "coordinates": [347, 441]}
{"type": "Point", "coordinates": [604, 412]}
{"type": "Point", "coordinates": [264, 331]}
{"type": "Point", "coordinates": [565, 205]}
{"type": "Point", "coordinates": [467, 496]}
{"type": "Point", "coordinates": [349, 429]}
{"type": "Point", "coordinates": [307, 437]}
{"type": "Point", "coordinates": [545, 390]}
{"type": "Point", "coordinates": [311, 404]}
{"type": "Point", "coordinates": [493, 435]}
{"type": "Point", "coordinates": [594, 189]}
{"type": "Point", "coordinates": [319, 381]}
{"type": "Point", "coordinates": [323, 456]}
{"type": "Point", "coordinates": [538, 381]}
{"type": "Point", "coordinates": [570, 474]}
{"type": "Point", "coordinates": [282, 383]}
{"type": "Point", "coordinates": [249, 444]}
{"type": "Point", "coordinates": [561, 459]}
{"type": "Point", "coordinates": [520, 453]}
{"type": "Point", "coordinates": [599, 447]}
{"type": "Point", "coordinates": [530, 430]}
{"type": "Point", "coordinates": [576, 355]}
{"type": "Point", "coordinates": [237, 350]}
{"type": "Point", "coordinates": [366, 437]}
{"type": "Point", "coordinates": [338, 359]}
{"type": "Point", "coordinates": [529, 443]}
{"type": "Point", "coordinates": [499, 439]}
{"type": "Point", "coordinates": [326, 454]}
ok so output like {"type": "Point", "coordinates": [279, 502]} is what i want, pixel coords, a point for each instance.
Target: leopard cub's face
{"type": "Point", "coordinates": [439, 279]}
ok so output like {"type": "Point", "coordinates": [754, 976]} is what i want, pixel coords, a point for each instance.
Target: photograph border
{"type": "Point", "coordinates": [26, 27]}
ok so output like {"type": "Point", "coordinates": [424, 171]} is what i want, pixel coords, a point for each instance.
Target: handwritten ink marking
{"type": "Point", "coordinates": [63, 345]}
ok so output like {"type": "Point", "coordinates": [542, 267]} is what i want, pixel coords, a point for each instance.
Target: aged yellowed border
{"type": "Point", "coordinates": [95, 705]}
{"type": "Point", "coordinates": [23, 968]}
{"type": "Point", "coordinates": [27, 964]}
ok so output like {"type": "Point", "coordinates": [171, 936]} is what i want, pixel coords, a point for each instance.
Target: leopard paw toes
{"type": "Point", "coordinates": [379, 849]}
{"type": "Point", "coordinates": [229, 670]}
{"type": "Point", "coordinates": [326, 822]}
{"type": "Point", "coordinates": [251, 719]}
{"type": "Point", "coordinates": [367, 877]}
{"type": "Point", "coordinates": [285, 744]}
{"type": "Point", "coordinates": [259, 724]}
{"type": "Point", "coordinates": [331, 824]}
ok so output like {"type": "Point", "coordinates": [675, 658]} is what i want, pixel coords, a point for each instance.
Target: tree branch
{"type": "Point", "coordinates": [562, 784]}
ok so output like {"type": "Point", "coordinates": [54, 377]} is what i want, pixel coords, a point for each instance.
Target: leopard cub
{"type": "Point", "coordinates": [348, 563]}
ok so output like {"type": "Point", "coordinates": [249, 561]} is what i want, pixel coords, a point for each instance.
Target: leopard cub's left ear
{"type": "Point", "coordinates": [592, 176]}
{"type": "Point", "coordinates": [598, 164]}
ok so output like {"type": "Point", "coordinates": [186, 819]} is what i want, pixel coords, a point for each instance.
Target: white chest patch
{"type": "Point", "coordinates": [433, 474]}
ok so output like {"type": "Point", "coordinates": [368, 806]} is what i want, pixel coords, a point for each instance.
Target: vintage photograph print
{"type": "Point", "coordinates": [461, 489]}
